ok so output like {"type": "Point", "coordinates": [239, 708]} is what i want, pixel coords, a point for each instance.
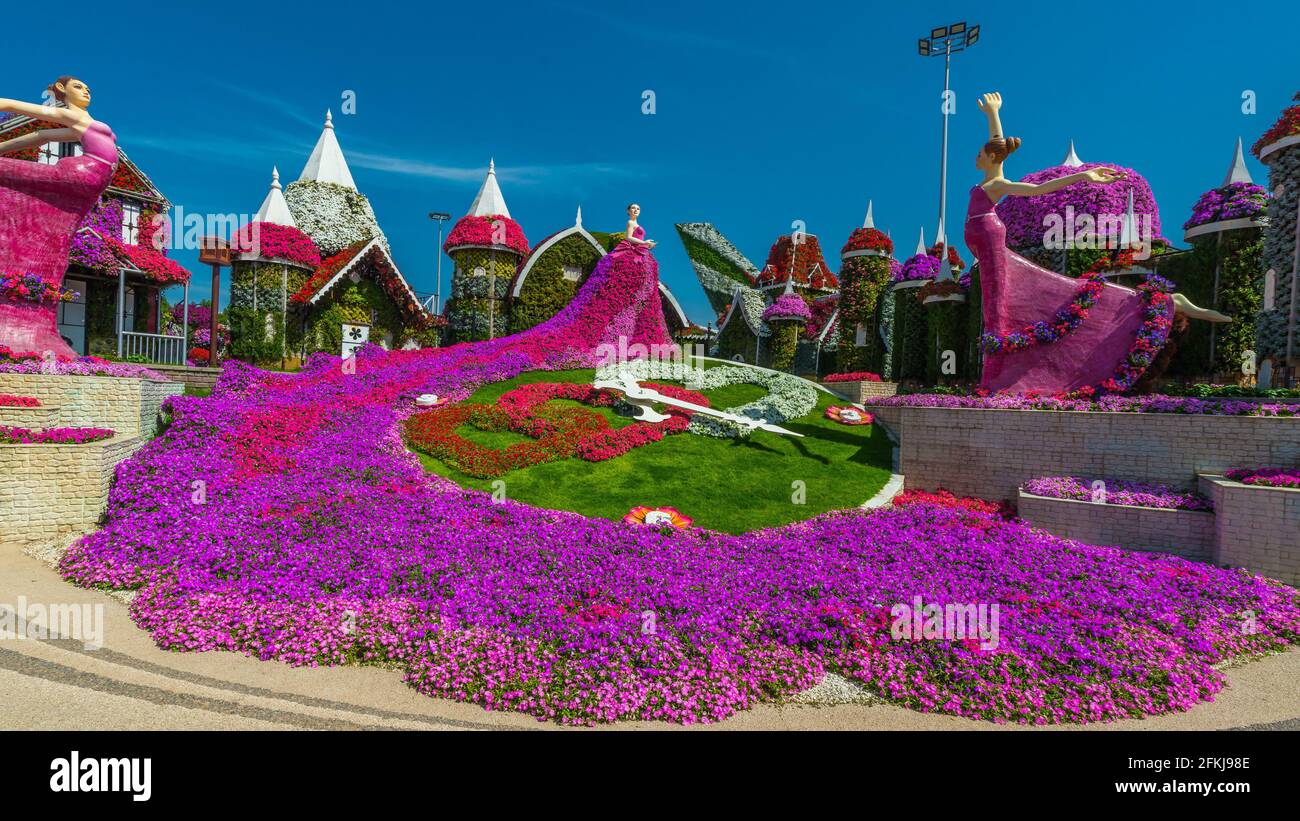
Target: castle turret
{"type": "Point", "coordinates": [487, 247]}
{"type": "Point", "coordinates": [864, 276]}
{"type": "Point", "coordinates": [324, 201]}
{"type": "Point", "coordinates": [1278, 322]}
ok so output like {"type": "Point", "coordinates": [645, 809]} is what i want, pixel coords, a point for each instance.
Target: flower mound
{"type": "Point", "coordinates": [1266, 477]}
{"type": "Point", "coordinates": [266, 240]}
{"type": "Point", "coordinates": [321, 540]}
{"type": "Point", "coordinates": [1117, 492]}
{"type": "Point", "coordinates": [946, 498]}
{"type": "Point", "coordinates": [32, 362]}
{"type": "Point", "coordinates": [1028, 218]}
{"type": "Point", "coordinates": [788, 306]}
{"type": "Point", "coordinates": [921, 266]}
{"type": "Point", "coordinates": [1238, 200]}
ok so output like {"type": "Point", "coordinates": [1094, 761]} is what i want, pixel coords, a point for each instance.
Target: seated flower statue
{"type": "Point", "coordinates": [41, 207]}
{"type": "Point", "coordinates": [1045, 332]}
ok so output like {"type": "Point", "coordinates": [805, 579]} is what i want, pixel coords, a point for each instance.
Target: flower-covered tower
{"type": "Point", "coordinates": [865, 274]}
{"type": "Point", "coordinates": [487, 248]}
{"type": "Point", "coordinates": [907, 325]}
{"type": "Point", "coordinates": [325, 203]}
{"type": "Point", "coordinates": [787, 316]}
{"type": "Point", "coordinates": [271, 259]}
{"type": "Point", "coordinates": [1278, 322]}
{"type": "Point", "coordinates": [1226, 226]}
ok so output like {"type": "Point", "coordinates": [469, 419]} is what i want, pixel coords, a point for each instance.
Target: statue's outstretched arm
{"type": "Point", "coordinates": [49, 135]}
{"type": "Point", "coordinates": [991, 104]}
{"type": "Point", "coordinates": [49, 113]}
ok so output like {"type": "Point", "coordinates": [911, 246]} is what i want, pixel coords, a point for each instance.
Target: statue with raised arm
{"type": "Point", "coordinates": [1043, 331]}
{"type": "Point", "coordinates": [40, 208]}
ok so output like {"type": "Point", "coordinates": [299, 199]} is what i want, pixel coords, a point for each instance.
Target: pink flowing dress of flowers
{"type": "Point", "coordinates": [40, 209]}
{"type": "Point", "coordinates": [1016, 294]}
{"type": "Point", "coordinates": [618, 306]}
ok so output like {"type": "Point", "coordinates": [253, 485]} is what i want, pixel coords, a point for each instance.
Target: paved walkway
{"type": "Point", "coordinates": [131, 684]}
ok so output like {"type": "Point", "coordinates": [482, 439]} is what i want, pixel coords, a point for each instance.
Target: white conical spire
{"type": "Point", "coordinates": [1072, 159]}
{"type": "Point", "coordinates": [326, 163]}
{"type": "Point", "coordinates": [274, 209]}
{"type": "Point", "coordinates": [940, 237]}
{"type": "Point", "coordinates": [868, 222]}
{"type": "Point", "coordinates": [1128, 224]}
{"type": "Point", "coordinates": [920, 244]}
{"type": "Point", "coordinates": [1238, 172]}
{"type": "Point", "coordinates": [490, 202]}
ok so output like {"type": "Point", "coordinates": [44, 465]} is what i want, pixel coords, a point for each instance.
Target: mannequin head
{"type": "Point", "coordinates": [633, 211]}
{"type": "Point", "coordinates": [71, 91]}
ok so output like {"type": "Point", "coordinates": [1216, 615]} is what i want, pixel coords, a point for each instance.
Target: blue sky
{"type": "Point", "coordinates": [765, 113]}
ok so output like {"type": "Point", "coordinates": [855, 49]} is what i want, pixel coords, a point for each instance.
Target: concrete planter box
{"type": "Point", "coordinates": [127, 406]}
{"type": "Point", "coordinates": [1256, 527]}
{"type": "Point", "coordinates": [57, 492]}
{"type": "Point", "coordinates": [862, 391]}
{"type": "Point", "coordinates": [205, 378]}
{"type": "Point", "coordinates": [1186, 533]}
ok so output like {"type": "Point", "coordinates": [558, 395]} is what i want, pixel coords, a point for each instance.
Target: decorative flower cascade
{"type": "Point", "coordinates": [866, 270]}
{"type": "Point", "coordinates": [323, 525]}
{"type": "Point", "coordinates": [98, 245]}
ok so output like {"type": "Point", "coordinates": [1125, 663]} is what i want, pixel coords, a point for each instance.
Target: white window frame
{"type": "Point", "coordinates": [131, 223]}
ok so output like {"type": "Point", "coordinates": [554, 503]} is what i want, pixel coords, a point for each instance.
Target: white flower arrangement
{"type": "Point", "coordinates": [334, 216]}
{"type": "Point", "coordinates": [788, 397]}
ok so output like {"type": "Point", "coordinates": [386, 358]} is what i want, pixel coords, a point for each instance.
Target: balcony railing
{"type": "Point", "coordinates": [165, 350]}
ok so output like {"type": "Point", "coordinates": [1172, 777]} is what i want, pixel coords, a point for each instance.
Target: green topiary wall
{"type": "Point", "coordinates": [545, 290]}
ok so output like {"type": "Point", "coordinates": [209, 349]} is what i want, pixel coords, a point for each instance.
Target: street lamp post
{"type": "Point", "coordinates": [946, 40]}
{"type": "Point", "coordinates": [441, 217]}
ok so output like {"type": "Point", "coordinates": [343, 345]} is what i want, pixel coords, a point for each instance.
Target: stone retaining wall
{"type": "Point", "coordinates": [1186, 533]}
{"type": "Point", "coordinates": [862, 391]}
{"type": "Point", "coordinates": [57, 492]}
{"type": "Point", "coordinates": [204, 378]}
{"type": "Point", "coordinates": [127, 406]}
{"type": "Point", "coordinates": [1257, 528]}
{"type": "Point", "coordinates": [990, 453]}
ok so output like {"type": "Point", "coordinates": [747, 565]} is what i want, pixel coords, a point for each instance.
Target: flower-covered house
{"type": "Point", "coordinates": [313, 271]}
{"type": "Point", "coordinates": [118, 265]}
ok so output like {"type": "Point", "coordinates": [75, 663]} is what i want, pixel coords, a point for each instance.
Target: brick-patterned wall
{"type": "Point", "coordinates": [1257, 528]}
{"type": "Point", "coordinates": [862, 391]}
{"type": "Point", "coordinates": [57, 492]}
{"type": "Point", "coordinates": [45, 416]}
{"type": "Point", "coordinates": [196, 377]}
{"type": "Point", "coordinates": [129, 407]}
{"type": "Point", "coordinates": [990, 453]}
{"type": "Point", "coordinates": [1186, 533]}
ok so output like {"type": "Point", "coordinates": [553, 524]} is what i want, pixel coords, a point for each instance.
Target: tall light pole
{"type": "Point", "coordinates": [437, 292]}
{"type": "Point", "coordinates": [946, 40]}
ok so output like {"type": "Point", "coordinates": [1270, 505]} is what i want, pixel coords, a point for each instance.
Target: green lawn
{"type": "Point", "coordinates": [724, 484]}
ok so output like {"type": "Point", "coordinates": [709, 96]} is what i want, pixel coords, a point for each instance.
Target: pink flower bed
{"type": "Point", "coordinates": [51, 436]}
{"type": "Point", "coordinates": [8, 400]}
{"type": "Point", "coordinates": [1266, 477]}
{"type": "Point", "coordinates": [855, 376]}
{"type": "Point", "coordinates": [1117, 492]}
